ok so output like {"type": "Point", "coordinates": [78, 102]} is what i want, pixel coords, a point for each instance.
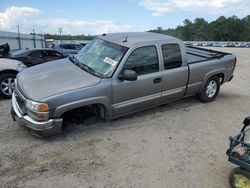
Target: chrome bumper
{"type": "Point", "coordinates": [45, 128]}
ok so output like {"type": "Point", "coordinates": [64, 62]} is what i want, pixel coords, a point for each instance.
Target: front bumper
{"type": "Point", "coordinates": [44, 128]}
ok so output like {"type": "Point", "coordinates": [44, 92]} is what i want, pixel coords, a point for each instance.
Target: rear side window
{"type": "Point", "coordinates": [68, 46]}
{"type": "Point", "coordinates": [78, 47]}
{"type": "Point", "coordinates": [171, 56]}
{"type": "Point", "coordinates": [143, 60]}
{"type": "Point", "coordinates": [57, 54]}
{"type": "Point", "coordinates": [37, 53]}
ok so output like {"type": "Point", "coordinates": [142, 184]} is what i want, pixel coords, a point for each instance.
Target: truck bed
{"type": "Point", "coordinates": [196, 54]}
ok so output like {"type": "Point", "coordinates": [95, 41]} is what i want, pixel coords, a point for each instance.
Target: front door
{"type": "Point", "coordinates": [145, 92]}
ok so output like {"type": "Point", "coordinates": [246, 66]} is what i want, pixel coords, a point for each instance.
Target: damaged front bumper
{"type": "Point", "coordinates": [40, 128]}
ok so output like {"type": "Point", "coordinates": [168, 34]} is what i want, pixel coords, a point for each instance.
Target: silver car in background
{"type": "Point", "coordinates": [67, 48]}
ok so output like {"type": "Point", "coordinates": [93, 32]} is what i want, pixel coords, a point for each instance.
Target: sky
{"type": "Point", "coordinates": [104, 16]}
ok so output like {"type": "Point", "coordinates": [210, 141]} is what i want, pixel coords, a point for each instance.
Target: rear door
{"type": "Point", "coordinates": [175, 73]}
{"type": "Point", "coordinates": [145, 92]}
{"type": "Point", "coordinates": [52, 55]}
{"type": "Point", "coordinates": [34, 58]}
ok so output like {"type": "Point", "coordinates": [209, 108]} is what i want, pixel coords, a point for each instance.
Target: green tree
{"type": "Point", "coordinates": [221, 29]}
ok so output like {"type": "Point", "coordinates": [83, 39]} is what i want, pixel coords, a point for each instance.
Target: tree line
{"type": "Point", "coordinates": [222, 29]}
{"type": "Point", "coordinates": [68, 37]}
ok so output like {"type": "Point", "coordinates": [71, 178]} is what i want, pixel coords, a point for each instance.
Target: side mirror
{"type": "Point", "coordinates": [129, 75]}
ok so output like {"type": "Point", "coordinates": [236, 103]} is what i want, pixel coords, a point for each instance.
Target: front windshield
{"type": "Point", "coordinates": [101, 56]}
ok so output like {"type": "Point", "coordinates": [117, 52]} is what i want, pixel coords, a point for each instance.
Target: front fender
{"type": "Point", "coordinates": [60, 110]}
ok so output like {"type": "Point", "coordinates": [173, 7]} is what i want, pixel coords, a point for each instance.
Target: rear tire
{"type": "Point", "coordinates": [239, 178]}
{"type": "Point", "coordinates": [7, 84]}
{"type": "Point", "coordinates": [210, 90]}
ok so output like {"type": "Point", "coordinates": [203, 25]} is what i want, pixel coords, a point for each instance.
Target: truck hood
{"type": "Point", "coordinates": [53, 78]}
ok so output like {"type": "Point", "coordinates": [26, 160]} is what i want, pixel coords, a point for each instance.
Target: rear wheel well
{"type": "Point", "coordinates": [221, 77]}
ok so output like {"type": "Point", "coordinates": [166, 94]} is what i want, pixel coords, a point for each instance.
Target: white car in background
{"type": "Point", "coordinates": [9, 68]}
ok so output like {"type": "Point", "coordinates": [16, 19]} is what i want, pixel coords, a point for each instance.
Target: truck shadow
{"type": "Point", "coordinates": [126, 122]}
{"type": "Point", "coordinates": [93, 123]}
{"type": "Point", "coordinates": [3, 99]}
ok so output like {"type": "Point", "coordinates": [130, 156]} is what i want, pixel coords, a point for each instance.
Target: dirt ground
{"type": "Point", "coordinates": [181, 144]}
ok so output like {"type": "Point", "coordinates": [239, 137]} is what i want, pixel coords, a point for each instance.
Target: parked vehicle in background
{"type": "Point", "coordinates": [83, 43]}
{"type": "Point", "coordinates": [228, 44]}
{"type": "Point", "coordinates": [117, 74]}
{"type": "Point", "coordinates": [207, 44]}
{"type": "Point", "coordinates": [8, 71]}
{"type": "Point", "coordinates": [4, 50]}
{"type": "Point", "coordinates": [238, 44]}
{"type": "Point", "coordinates": [247, 45]}
{"type": "Point", "coordinates": [33, 57]}
{"type": "Point", "coordinates": [67, 48]}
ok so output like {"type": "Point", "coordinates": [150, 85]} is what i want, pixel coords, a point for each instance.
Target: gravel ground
{"type": "Point", "coordinates": [181, 144]}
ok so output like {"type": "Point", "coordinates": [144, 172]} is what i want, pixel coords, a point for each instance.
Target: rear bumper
{"type": "Point", "coordinates": [44, 129]}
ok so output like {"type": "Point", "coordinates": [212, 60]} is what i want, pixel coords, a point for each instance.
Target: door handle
{"type": "Point", "coordinates": [157, 80]}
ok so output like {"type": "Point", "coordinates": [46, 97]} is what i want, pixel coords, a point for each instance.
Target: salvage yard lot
{"type": "Point", "coordinates": [181, 144]}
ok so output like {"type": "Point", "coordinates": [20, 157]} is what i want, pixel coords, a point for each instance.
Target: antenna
{"type": "Point", "coordinates": [126, 39]}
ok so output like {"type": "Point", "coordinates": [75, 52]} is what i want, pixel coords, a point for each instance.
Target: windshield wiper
{"type": "Point", "coordinates": [85, 67]}
{"type": "Point", "coordinates": [74, 60]}
{"type": "Point", "coordinates": [90, 70]}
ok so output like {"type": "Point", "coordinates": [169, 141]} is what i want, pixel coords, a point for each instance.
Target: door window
{"type": "Point", "coordinates": [67, 46]}
{"type": "Point", "coordinates": [37, 53]}
{"type": "Point", "coordinates": [78, 47]}
{"type": "Point", "coordinates": [51, 53]}
{"type": "Point", "coordinates": [171, 56]}
{"type": "Point", "coordinates": [143, 60]}
{"type": "Point", "coordinates": [57, 54]}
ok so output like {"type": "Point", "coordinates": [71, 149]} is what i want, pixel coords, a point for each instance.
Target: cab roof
{"type": "Point", "coordinates": [129, 39]}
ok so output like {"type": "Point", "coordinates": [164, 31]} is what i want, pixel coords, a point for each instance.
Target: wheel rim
{"type": "Point", "coordinates": [241, 181]}
{"type": "Point", "coordinates": [211, 88]}
{"type": "Point", "coordinates": [7, 86]}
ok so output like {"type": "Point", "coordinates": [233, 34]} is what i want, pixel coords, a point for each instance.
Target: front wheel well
{"type": "Point", "coordinates": [79, 114]}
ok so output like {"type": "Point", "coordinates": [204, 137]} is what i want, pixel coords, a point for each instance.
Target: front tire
{"type": "Point", "coordinates": [239, 178]}
{"type": "Point", "coordinates": [210, 90]}
{"type": "Point", "coordinates": [7, 84]}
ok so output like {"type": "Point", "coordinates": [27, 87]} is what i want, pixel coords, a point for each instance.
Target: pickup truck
{"type": "Point", "coordinates": [114, 75]}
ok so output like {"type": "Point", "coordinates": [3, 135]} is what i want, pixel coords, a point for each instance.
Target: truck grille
{"type": "Point", "coordinates": [20, 100]}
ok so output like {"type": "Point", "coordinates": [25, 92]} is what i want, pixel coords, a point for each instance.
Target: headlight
{"type": "Point", "coordinates": [36, 110]}
{"type": "Point", "coordinates": [36, 106]}
{"type": "Point", "coordinates": [21, 67]}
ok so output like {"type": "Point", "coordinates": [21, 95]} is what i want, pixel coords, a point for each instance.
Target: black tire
{"type": "Point", "coordinates": [237, 173]}
{"type": "Point", "coordinates": [206, 95]}
{"type": "Point", "coordinates": [3, 79]}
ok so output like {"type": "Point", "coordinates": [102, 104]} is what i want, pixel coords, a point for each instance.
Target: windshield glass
{"type": "Point", "coordinates": [101, 56]}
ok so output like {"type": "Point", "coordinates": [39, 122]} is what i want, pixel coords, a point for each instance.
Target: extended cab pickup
{"type": "Point", "coordinates": [117, 74]}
